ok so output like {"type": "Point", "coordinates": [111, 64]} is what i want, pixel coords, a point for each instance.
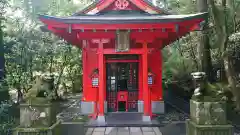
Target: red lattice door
{"type": "Point", "coordinates": [122, 77]}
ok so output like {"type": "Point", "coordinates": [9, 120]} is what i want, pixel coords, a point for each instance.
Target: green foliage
{"type": "Point", "coordinates": [182, 6]}
{"type": "Point", "coordinates": [28, 50]}
{"type": "Point", "coordinates": [180, 62]}
{"type": "Point", "coordinates": [7, 118]}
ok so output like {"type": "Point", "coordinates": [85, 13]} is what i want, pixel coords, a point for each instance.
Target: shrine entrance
{"type": "Point", "coordinates": [122, 83]}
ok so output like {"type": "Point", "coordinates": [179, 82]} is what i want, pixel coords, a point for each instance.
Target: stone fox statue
{"type": "Point", "coordinates": [42, 87]}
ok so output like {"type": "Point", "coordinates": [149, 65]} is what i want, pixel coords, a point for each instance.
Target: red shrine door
{"type": "Point", "coordinates": [122, 83]}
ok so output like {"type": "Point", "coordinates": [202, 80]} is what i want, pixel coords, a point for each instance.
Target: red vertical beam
{"type": "Point", "coordinates": [101, 79]}
{"type": "Point", "coordinates": [84, 62]}
{"type": "Point", "coordinates": [161, 88]}
{"type": "Point", "coordinates": [146, 96]}
{"type": "Point", "coordinates": [101, 87]}
{"type": "Point", "coordinates": [104, 77]}
{"type": "Point", "coordinates": [140, 78]}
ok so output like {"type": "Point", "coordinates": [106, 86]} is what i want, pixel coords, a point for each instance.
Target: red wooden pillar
{"type": "Point", "coordinates": [84, 61]}
{"type": "Point", "coordinates": [101, 87]}
{"type": "Point", "coordinates": [146, 96]}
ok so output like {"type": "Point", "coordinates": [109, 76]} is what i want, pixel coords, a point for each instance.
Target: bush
{"type": "Point", "coordinates": [8, 117]}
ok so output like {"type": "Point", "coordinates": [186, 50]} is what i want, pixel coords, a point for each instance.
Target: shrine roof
{"type": "Point", "coordinates": [125, 18]}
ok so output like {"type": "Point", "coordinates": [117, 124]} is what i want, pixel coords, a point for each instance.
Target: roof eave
{"type": "Point", "coordinates": [101, 20]}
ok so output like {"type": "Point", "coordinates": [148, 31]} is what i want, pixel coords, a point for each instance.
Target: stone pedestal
{"type": "Point", "coordinates": [195, 129]}
{"type": "Point", "coordinates": [55, 129]}
{"type": "Point", "coordinates": [37, 113]}
{"type": "Point", "coordinates": [38, 117]}
{"type": "Point", "coordinates": [208, 118]}
{"type": "Point", "coordinates": [208, 113]}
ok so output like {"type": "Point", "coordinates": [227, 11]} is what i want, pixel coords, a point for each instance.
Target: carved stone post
{"type": "Point", "coordinates": [199, 80]}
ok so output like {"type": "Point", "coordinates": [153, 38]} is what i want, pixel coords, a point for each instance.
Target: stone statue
{"type": "Point", "coordinates": [42, 88]}
{"type": "Point", "coordinates": [33, 111]}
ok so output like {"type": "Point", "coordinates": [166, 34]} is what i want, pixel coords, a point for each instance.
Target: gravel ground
{"type": "Point", "coordinates": [173, 119]}
{"type": "Point", "coordinates": [72, 110]}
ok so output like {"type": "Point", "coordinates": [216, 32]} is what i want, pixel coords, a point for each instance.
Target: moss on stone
{"type": "Point", "coordinates": [82, 118]}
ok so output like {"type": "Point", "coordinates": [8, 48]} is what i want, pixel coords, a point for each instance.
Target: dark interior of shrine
{"type": "Point", "coordinates": [122, 83]}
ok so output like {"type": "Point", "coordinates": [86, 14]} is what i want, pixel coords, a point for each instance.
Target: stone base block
{"type": "Point", "coordinates": [157, 107]}
{"type": "Point", "coordinates": [146, 118]}
{"type": "Point", "coordinates": [193, 129]}
{"type": "Point", "coordinates": [37, 114]}
{"type": "Point", "coordinates": [73, 128]}
{"type": "Point", "coordinates": [88, 107]}
{"type": "Point", "coordinates": [208, 113]}
{"type": "Point", "coordinates": [101, 119]}
{"type": "Point", "coordinates": [55, 129]}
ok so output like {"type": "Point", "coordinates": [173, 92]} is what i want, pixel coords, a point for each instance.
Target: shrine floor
{"type": "Point", "coordinates": [124, 131]}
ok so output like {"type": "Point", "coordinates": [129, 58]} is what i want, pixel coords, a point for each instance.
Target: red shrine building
{"type": "Point", "coordinates": [121, 43]}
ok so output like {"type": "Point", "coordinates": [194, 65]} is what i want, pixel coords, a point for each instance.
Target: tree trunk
{"type": "Point", "coordinates": [222, 21]}
{"type": "Point", "coordinates": [204, 45]}
{"type": "Point", "coordinates": [230, 73]}
{"type": "Point", "coordinates": [2, 59]}
{"type": "Point", "coordinates": [59, 77]}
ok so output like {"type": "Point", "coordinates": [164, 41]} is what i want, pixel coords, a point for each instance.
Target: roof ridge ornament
{"type": "Point", "coordinates": [121, 4]}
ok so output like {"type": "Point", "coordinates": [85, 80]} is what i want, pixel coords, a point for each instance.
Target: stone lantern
{"type": "Point", "coordinates": [199, 80]}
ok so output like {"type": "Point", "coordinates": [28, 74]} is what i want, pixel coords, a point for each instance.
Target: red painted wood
{"type": "Point", "coordinates": [144, 6]}
{"type": "Point", "coordinates": [170, 25]}
{"type": "Point", "coordinates": [146, 91]}
{"type": "Point", "coordinates": [91, 93]}
{"type": "Point", "coordinates": [154, 59]}
{"type": "Point", "coordinates": [123, 96]}
{"type": "Point", "coordinates": [131, 51]}
{"type": "Point", "coordinates": [155, 64]}
{"type": "Point", "coordinates": [98, 34]}
{"type": "Point", "coordinates": [138, 3]}
{"type": "Point", "coordinates": [103, 4]}
{"type": "Point", "coordinates": [85, 71]}
{"type": "Point", "coordinates": [113, 7]}
{"type": "Point", "coordinates": [140, 78]}
{"type": "Point", "coordinates": [104, 76]}
{"type": "Point", "coordinates": [101, 79]}
{"type": "Point", "coordinates": [100, 41]}
{"type": "Point", "coordinates": [121, 61]}
{"type": "Point", "coordinates": [148, 35]}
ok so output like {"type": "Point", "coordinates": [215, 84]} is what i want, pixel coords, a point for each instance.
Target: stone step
{"type": "Point", "coordinates": [124, 131]}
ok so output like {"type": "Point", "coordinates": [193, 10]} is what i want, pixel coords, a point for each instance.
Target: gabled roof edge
{"type": "Point", "coordinates": [96, 2]}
